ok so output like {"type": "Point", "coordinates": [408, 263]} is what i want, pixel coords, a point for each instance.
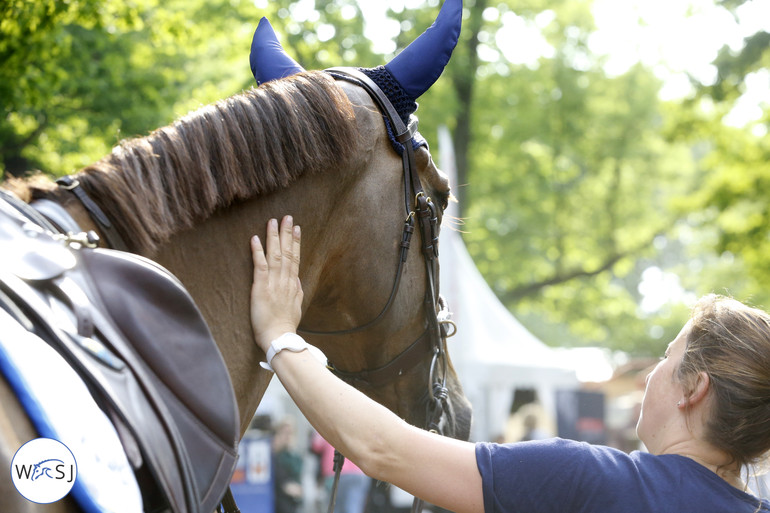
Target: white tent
{"type": "Point", "coordinates": [493, 353]}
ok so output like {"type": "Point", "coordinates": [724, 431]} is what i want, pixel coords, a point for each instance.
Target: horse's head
{"type": "Point", "coordinates": [372, 304]}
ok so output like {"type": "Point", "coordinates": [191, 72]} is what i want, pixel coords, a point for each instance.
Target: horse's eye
{"type": "Point", "coordinates": [442, 198]}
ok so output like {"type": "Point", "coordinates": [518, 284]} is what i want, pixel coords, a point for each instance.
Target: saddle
{"type": "Point", "coordinates": [135, 337]}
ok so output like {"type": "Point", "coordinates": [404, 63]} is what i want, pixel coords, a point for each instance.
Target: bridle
{"type": "Point", "coordinates": [421, 210]}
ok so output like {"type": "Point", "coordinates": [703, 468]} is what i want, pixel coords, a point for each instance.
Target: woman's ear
{"type": "Point", "coordinates": [698, 392]}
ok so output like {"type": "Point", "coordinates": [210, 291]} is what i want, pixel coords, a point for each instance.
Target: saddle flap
{"type": "Point", "coordinates": [172, 351]}
{"type": "Point", "coordinates": [157, 315]}
{"type": "Point", "coordinates": [141, 346]}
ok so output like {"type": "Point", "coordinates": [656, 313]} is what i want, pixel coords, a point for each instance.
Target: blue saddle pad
{"type": "Point", "coordinates": [60, 407]}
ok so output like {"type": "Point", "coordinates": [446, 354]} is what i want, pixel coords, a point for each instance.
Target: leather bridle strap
{"type": "Point", "coordinates": [403, 133]}
{"type": "Point", "coordinates": [339, 461]}
{"type": "Point", "coordinates": [418, 206]}
{"type": "Point", "coordinates": [406, 360]}
{"type": "Point", "coordinates": [406, 236]}
{"type": "Point", "coordinates": [111, 234]}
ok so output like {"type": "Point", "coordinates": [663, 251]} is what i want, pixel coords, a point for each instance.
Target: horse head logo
{"type": "Point", "coordinates": [44, 468]}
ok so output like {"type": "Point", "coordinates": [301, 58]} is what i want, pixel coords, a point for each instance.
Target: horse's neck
{"type": "Point", "coordinates": [214, 262]}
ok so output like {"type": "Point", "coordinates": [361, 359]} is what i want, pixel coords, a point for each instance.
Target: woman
{"type": "Point", "coordinates": [706, 412]}
{"type": "Point", "coordinates": [287, 470]}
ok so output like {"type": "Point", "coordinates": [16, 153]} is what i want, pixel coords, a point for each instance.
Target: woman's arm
{"type": "Point", "coordinates": [440, 470]}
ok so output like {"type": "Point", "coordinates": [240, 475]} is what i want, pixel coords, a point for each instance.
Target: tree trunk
{"type": "Point", "coordinates": [463, 80]}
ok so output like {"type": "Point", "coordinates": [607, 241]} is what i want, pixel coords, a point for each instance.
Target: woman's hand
{"type": "Point", "coordinates": [276, 293]}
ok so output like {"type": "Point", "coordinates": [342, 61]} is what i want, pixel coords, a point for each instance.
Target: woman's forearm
{"type": "Point", "coordinates": [378, 441]}
{"type": "Point", "coordinates": [361, 429]}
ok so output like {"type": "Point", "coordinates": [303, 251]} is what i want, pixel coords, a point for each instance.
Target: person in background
{"type": "Point", "coordinates": [287, 469]}
{"type": "Point", "coordinates": [353, 485]}
{"type": "Point", "coordinates": [531, 429]}
{"type": "Point", "coordinates": [705, 415]}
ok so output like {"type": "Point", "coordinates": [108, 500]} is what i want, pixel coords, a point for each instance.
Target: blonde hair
{"type": "Point", "coordinates": [730, 342]}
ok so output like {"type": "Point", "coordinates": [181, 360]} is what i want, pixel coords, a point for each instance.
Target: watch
{"type": "Point", "coordinates": [289, 341]}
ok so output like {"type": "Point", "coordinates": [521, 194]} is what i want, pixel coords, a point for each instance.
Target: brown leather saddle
{"type": "Point", "coordinates": [138, 341]}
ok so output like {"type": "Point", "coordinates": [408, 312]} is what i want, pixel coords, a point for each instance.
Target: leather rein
{"type": "Point", "coordinates": [432, 342]}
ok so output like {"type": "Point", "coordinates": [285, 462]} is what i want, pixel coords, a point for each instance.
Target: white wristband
{"type": "Point", "coordinates": [291, 342]}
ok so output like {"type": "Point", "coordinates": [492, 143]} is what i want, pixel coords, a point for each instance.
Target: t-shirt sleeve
{"type": "Point", "coordinates": [553, 475]}
{"type": "Point", "coordinates": [559, 476]}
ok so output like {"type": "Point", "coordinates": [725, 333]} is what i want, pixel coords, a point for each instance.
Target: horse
{"type": "Point", "coordinates": [307, 143]}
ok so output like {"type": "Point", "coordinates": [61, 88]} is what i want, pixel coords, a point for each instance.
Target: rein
{"type": "Point", "coordinates": [420, 209]}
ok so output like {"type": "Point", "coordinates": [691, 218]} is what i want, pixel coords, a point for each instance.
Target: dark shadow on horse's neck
{"type": "Point", "coordinates": [250, 144]}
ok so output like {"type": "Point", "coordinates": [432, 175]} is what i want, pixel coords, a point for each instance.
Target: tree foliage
{"type": "Point", "coordinates": [731, 199]}
{"type": "Point", "coordinates": [78, 75]}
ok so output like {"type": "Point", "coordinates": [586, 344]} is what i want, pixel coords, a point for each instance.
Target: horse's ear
{"type": "Point", "coordinates": [268, 59]}
{"type": "Point", "coordinates": [420, 64]}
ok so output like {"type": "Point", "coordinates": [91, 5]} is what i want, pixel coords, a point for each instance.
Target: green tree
{"type": "Point", "coordinates": [38, 44]}
{"type": "Point", "coordinates": [569, 180]}
{"type": "Point", "coordinates": [75, 77]}
{"type": "Point", "coordinates": [731, 196]}
{"type": "Point", "coordinates": [576, 185]}
{"type": "Point", "coordinates": [78, 76]}
{"type": "Point", "coordinates": [733, 67]}
{"type": "Point", "coordinates": [330, 35]}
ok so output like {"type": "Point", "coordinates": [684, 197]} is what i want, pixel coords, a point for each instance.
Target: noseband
{"type": "Point", "coordinates": [422, 210]}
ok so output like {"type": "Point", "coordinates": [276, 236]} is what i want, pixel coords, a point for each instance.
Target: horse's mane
{"type": "Point", "coordinates": [249, 144]}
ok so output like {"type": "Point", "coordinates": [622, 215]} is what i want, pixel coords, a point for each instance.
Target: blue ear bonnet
{"type": "Point", "coordinates": [267, 58]}
{"type": "Point", "coordinates": [404, 79]}
{"type": "Point", "coordinates": [401, 101]}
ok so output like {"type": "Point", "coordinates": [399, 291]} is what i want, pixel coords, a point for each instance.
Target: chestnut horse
{"type": "Point", "coordinates": [190, 195]}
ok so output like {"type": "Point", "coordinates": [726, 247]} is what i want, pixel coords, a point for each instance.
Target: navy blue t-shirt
{"type": "Point", "coordinates": [564, 476]}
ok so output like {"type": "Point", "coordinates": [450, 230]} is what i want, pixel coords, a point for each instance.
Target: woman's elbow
{"type": "Point", "coordinates": [375, 458]}
{"type": "Point", "coordinates": [383, 457]}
